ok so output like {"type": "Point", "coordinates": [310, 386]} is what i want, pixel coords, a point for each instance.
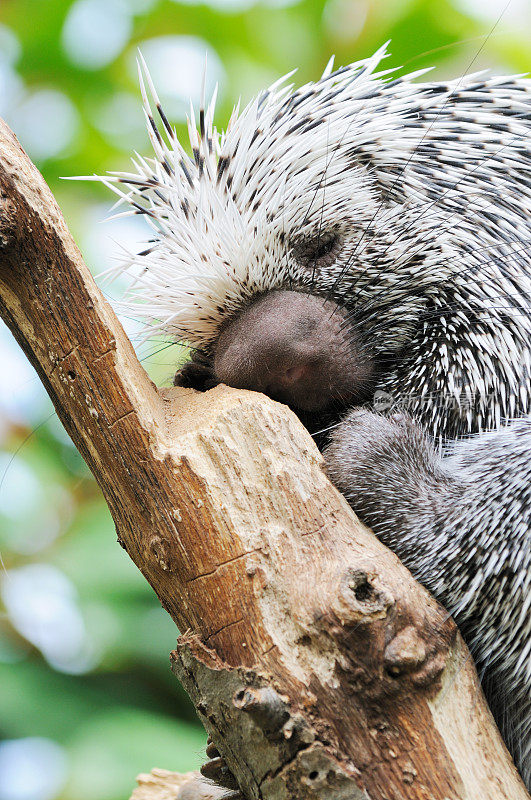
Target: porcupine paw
{"type": "Point", "coordinates": [381, 465]}
{"type": "Point", "coordinates": [220, 779]}
{"type": "Point", "coordinates": [197, 373]}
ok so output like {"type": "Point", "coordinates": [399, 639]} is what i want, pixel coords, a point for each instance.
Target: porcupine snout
{"type": "Point", "coordinates": [295, 347]}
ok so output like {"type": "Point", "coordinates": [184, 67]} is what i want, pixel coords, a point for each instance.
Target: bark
{"type": "Point", "coordinates": [316, 663]}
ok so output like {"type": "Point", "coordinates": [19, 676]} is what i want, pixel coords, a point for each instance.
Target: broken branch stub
{"type": "Point", "coordinates": [317, 664]}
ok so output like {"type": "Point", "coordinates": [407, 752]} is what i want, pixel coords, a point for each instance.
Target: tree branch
{"type": "Point", "coordinates": [318, 666]}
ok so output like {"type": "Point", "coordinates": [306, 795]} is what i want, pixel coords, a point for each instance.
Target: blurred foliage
{"type": "Point", "coordinates": [86, 696]}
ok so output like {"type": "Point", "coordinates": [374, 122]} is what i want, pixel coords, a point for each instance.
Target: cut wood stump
{"type": "Point", "coordinates": [316, 663]}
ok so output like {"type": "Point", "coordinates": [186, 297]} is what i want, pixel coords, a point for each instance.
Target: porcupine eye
{"type": "Point", "coordinates": [297, 346]}
{"type": "Point", "coordinates": [319, 251]}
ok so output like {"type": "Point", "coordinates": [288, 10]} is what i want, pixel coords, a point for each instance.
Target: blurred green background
{"type": "Point", "coordinates": [86, 696]}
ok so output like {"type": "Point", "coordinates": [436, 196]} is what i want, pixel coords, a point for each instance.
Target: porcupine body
{"type": "Point", "coordinates": [367, 236]}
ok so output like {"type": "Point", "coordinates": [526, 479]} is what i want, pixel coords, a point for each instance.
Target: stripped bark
{"type": "Point", "coordinates": [317, 664]}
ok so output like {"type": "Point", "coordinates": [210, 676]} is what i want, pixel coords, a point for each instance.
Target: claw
{"type": "Point", "coordinates": [197, 373]}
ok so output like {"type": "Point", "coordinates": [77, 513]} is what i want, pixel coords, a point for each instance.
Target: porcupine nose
{"type": "Point", "coordinates": [295, 347]}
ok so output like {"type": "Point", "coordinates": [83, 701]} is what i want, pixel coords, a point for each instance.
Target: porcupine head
{"type": "Point", "coordinates": [361, 234]}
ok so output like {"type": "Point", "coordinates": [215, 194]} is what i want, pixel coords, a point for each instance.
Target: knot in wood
{"type": "Point", "coordinates": [418, 653]}
{"type": "Point", "coordinates": [405, 653]}
{"type": "Point", "coordinates": [160, 551]}
{"type": "Point", "coordinates": [361, 598]}
{"type": "Point", "coordinates": [321, 777]}
{"type": "Point", "coordinates": [266, 707]}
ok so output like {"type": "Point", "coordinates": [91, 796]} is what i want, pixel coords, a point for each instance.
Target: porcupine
{"type": "Point", "coordinates": [367, 235]}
